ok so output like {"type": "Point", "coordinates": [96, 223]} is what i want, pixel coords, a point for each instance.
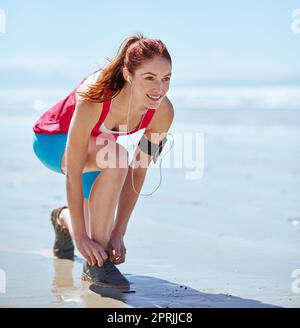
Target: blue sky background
{"type": "Point", "coordinates": [56, 43]}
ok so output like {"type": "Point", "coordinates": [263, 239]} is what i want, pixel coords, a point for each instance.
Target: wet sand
{"type": "Point", "coordinates": [46, 282]}
{"type": "Point", "coordinates": [230, 239]}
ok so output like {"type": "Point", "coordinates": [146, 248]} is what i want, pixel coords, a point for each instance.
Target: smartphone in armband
{"type": "Point", "coordinates": [150, 148]}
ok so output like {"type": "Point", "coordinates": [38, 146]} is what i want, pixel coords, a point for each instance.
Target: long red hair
{"type": "Point", "coordinates": [133, 51]}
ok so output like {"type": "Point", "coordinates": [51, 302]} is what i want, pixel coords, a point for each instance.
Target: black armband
{"type": "Point", "coordinates": [151, 148]}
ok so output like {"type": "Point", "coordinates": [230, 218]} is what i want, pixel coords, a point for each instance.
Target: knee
{"type": "Point", "coordinates": [113, 155]}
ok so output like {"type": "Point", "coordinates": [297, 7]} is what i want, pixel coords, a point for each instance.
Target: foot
{"type": "Point", "coordinates": [107, 276]}
{"type": "Point", "coordinates": [63, 246]}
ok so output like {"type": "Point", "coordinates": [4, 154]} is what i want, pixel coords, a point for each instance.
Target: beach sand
{"type": "Point", "coordinates": [229, 239]}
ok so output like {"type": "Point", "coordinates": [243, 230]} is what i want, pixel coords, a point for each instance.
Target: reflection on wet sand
{"type": "Point", "coordinates": [73, 291]}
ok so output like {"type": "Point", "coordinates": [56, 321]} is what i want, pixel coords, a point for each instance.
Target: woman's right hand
{"type": "Point", "coordinates": [91, 250]}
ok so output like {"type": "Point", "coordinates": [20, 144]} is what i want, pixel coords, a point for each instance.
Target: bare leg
{"type": "Point", "coordinates": [103, 202]}
{"type": "Point", "coordinates": [65, 219]}
{"type": "Point", "coordinates": [100, 208]}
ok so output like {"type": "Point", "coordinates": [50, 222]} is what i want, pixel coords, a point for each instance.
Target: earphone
{"type": "Point", "coordinates": [132, 177]}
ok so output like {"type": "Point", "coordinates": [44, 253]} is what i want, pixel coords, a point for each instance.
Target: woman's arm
{"type": "Point", "coordinates": [155, 133]}
{"type": "Point", "coordinates": [84, 118]}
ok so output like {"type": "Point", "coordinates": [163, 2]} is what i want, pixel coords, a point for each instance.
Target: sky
{"type": "Point", "coordinates": [49, 43]}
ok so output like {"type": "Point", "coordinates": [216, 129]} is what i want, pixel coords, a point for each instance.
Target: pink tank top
{"type": "Point", "coordinates": [57, 119]}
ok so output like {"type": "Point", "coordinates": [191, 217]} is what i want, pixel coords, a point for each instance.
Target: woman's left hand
{"type": "Point", "coordinates": [116, 248]}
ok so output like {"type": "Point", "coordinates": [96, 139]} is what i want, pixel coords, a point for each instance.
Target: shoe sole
{"type": "Point", "coordinates": [86, 278]}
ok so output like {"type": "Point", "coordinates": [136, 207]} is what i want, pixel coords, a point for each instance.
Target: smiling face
{"type": "Point", "coordinates": [151, 81]}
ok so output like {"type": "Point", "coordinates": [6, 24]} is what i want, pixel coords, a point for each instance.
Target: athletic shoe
{"type": "Point", "coordinates": [107, 276]}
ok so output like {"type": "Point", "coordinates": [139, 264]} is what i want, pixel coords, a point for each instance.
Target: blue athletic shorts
{"type": "Point", "coordinates": [49, 149]}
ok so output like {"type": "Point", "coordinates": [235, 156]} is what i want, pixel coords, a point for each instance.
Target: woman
{"type": "Point", "coordinates": [76, 136]}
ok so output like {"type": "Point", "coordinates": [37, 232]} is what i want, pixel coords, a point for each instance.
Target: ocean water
{"type": "Point", "coordinates": [252, 151]}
